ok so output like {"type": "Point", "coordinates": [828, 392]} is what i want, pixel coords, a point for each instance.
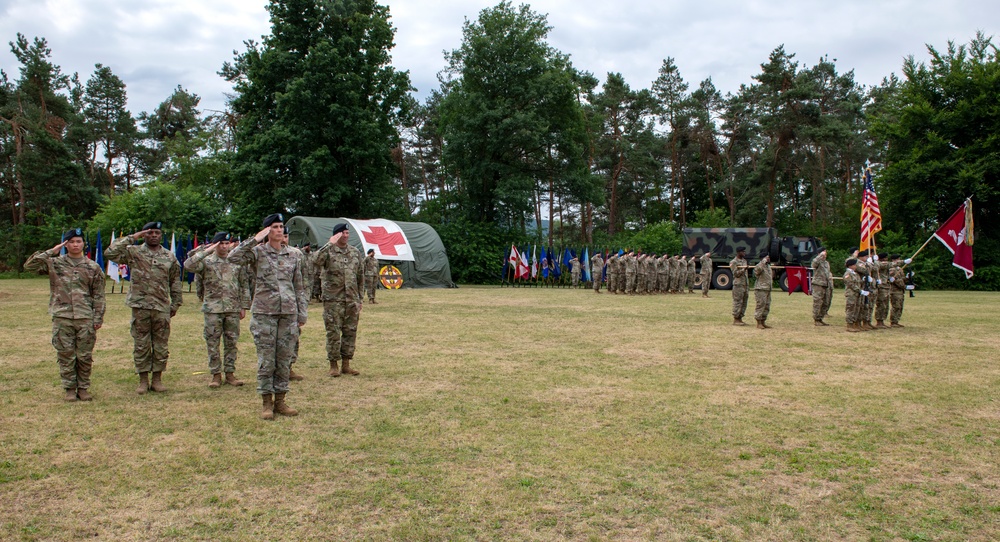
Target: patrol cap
{"type": "Point", "coordinates": [851, 262]}
{"type": "Point", "coordinates": [271, 219]}
{"type": "Point", "coordinates": [222, 236]}
{"type": "Point", "coordinates": [153, 226]}
{"type": "Point", "coordinates": [339, 228]}
{"type": "Point", "coordinates": [69, 234]}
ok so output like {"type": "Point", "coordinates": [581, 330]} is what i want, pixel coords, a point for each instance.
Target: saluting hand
{"type": "Point", "coordinates": [262, 234]}
{"type": "Point", "coordinates": [336, 237]}
{"type": "Point", "coordinates": [140, 234]}
{"type": "Point", "coordinates": [59, 247]}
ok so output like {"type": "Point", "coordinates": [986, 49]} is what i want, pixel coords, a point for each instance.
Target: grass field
{"type": "Point", "coordinates": [521, 414]}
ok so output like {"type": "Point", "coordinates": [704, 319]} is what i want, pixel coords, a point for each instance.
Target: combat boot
{"type": "Point", "coordinates": [880, 324]}
{"type": "Point", "coordinates": [897, 324]}
{"type": "Point", "coordinates": [143, 384]}
{"type": "Point", "coordinates": [232, 380]}
{"type": "Point", "coordinates": [763, 322]}
{"type": "Point", "coordinates": [281, 408]}
{"type": "Point", "coordinates": [292, 375]}
{"type": "Point", "coordinates": [84, 395]}
{"type": "Point", "coordinates": [216, 381]}
{"type": "Point", "coordinates": [820, 323]}
{"type": "Point", "coordinates": [865, 326]}
{"type": "Point", "coordinates": [268, 412]}
{"type": "Point", "coordinates": [70, 395]}
{"type": "Point", "coordinates": [346, 368]}
{"type": "Point", "coordinates": [334, 371]}
{"type": "Point", "coordinates": [760, 324]}
{"type": "Point", "coordinates": [853, 328]}
{"type": "Point", "coordinates": [156, 384]}
{"type": "Point", "coordinates": [738, 322]}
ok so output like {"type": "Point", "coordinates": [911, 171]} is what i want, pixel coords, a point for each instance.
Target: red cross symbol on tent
{"type": "Point", "coordinates": [386, 241]}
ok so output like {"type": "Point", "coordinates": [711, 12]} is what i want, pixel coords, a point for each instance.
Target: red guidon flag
{"type": "Point", "coordinates": [956, 234]}
{"type": "Point", "coordinates": [385, 237]}
{"type": "Point", "coordinates": [798, 276]}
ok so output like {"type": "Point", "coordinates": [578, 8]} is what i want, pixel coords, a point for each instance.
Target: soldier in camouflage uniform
{"type": "Point", "coordinates": [882, 291]}
{"type": "Point", "coordinates": [822, 288]}
{"type": "Point", "coordinates": [641, 273]}
{"type": "Point", "coordinates": [154, 294]}
{"type": "Point", "coordinates": [597, 271]}
{"type": "Point", "coordinates": [897, 290]}
{"type": "Point", "coordinates": [738, 267]}
{"type": "Point", "coordinates": [371, 275]}
{"type": "Point", "coordinates": [762, 291]}
{"type": "Point", "coordinates": [651, 274]}
{"type": "Point", "coordinates": [225, 294]}
{"type": "Point", "coordinates": [342, 271]}
{"type": "Point", "coordinates": [575, 270]}
{"type": "Point", "coordinates": [865, 270]}
{"type": "Point", "coordinates": [706, 273]}
{"type": "Point", "coordinates": [76, 303]}
{"type": "Point", "coordinates": [612, 266]}
{"type": "Point", "coordinates": [852, 294]}
{"type": "Point", "coordinates": [682, 271]}
{"type": "Point", "coordinates": [280, 307]}
{"type": "Point", "coordinates": [631, 272]}
{"type": "Point", "coordinates": [692, 270]}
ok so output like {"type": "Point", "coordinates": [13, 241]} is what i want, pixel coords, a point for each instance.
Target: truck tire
{"type": "Point", "coordinates": [722, 279]}
{"type": "Point", "coordinates": [697, 281]}
{"type": "Point", "coordinates": [774, 251]}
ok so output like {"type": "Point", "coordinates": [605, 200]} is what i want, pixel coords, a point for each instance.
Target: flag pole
{"type": "Point", "coordinates": [929, 239]}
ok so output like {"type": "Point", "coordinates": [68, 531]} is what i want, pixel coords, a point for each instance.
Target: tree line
{"type": "Point", "coordinates": [321, 123]}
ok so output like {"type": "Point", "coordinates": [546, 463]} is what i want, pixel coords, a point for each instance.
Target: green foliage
{"type": "Point", "coordinates": [660, 238]}
{"type": "Point", "coordinates": [179, 208]}
{"type": "Point", "coordinates": [475, 250]}
{"type": "Point", "coordinates": [316, 105]}
{"type": "Point", "coordinates": [714, 218]}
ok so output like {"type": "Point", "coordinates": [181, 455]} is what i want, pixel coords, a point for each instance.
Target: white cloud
{"type": "Point", "coordinates": [155, 45]}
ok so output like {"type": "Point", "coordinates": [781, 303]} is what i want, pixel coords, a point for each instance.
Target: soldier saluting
{"type": "Point", "coordinates": [225, 302]}
{"type": "Point", "coordinates": [738, 266]}
{"type": "Point", "coordinates": [154, 294]}
{"type": "Point", "coordinates": [280, 307]}
{"type": "Point", "coordinates": [342, 273]}
{"type": "Point", "coordinates": [76, 303]}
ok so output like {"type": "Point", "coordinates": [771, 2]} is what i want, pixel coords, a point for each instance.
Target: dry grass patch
{"type": "Point", "coordinates": [527, 414]}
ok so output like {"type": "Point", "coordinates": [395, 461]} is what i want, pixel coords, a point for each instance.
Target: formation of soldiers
{"type": "Point", "coordinates": [629, 273]}
{"type": "Point", "coordinates": [262, 275]}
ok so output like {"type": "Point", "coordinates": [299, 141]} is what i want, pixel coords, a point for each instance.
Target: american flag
{"type": "Point", "coordinates": [871, 217]}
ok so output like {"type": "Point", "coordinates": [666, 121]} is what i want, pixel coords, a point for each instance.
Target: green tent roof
{"type": "Point", "coordinates": [430, 268]}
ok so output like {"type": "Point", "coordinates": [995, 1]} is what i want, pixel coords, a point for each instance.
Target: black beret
{"type": "Point", "coordinates": [741, 249]}
{"type": "Point", "coordinates": [371, 251]}
{"type": "Point", "coordinates": [222, 236]}
{"type": "Point", "coordinates": [75, 232]}
{"type": "Point", "coordinates": [763, 254]}
{"type": "Point", "coordinates": [852, 250]}
{"type": "Point", "coordinates": [153, 226]}
{"type": "Point", "coordinates": [271, 219]}
{"type": "Point", "coordinates": [286, 230]}
{"type": "Point", "coordinates": [339, 228]}
{"type": "Point", "coordinates": [882, 255]}
{"type": "Point", "coordinates": [895, 257]}
{"type": "Point", "coordinates": [851, 262]}
{"type": "Point", "coordinates": [863, 252]}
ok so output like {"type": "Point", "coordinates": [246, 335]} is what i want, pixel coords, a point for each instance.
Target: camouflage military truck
{"type": "Point", "coordinates": [722, 243]}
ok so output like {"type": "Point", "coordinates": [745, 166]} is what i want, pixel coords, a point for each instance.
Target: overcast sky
{"type": "Point", "coordinates": [155, 45]}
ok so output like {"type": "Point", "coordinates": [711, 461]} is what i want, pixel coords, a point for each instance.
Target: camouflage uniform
{"type": "Point", "coordinates": [864, 270]}
{"type": "Point", "coordinates": [76, 303]}
{"type": "Point", "coordinates": [897, 293]}
{"type": "Point", "coordinates": [692, 268]}
{"type": "Point", "coordinates": [762, 291]}
{"type": "Point", "coordinates": [224, 292]}
{"type": "Point", "coordinates": [740, 294]}
{"type": "Point", "coordinates": [882, 292]}
{"type": "Point", "coordinates": [662, 274]}
{"type": "Point", "coordinates": [631, 271]}
{"type": "Point", "coordinates": [852, 294]}
{"type": "Point", "coordinates": [706, 274]}
{"type": "Point", "coordinates": [280, 306]}
{"type": "Point", "coordinates": [597, 271]}
{"type": "Point", "coordinates": [640, 274]}
{"type": "Point", "coordinates": [612, 266]}
{"type": "Point", "coordinates": [371, 276]}
{"type": "Point", "coordinates": [651, 273]}
{"type": "Point", "coordinates": [575, 270]}
{"type": "Point", "coordinates": [342, 273]}
{"type": "Point", "coordinates": [822, 287]}
{"type": "Point", "coordinates": [154, 294]}
{"type": "Point", "coordinates": [676, 274]}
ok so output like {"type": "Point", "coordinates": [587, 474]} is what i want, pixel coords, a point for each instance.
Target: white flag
{"type": "Point", "coordinates": [385, 237]}
{"type": "Point", "coordinates": [113, 273]}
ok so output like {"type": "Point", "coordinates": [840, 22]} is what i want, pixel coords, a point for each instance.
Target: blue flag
{"type": "Point", "coordinates": [554, 263]}
{"type": "Point", "coordinates": [585, 262]}
{"type": "Point", "coordinates": [100, 252]}
{"type": "Point", "coordinates": [545, 264]}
